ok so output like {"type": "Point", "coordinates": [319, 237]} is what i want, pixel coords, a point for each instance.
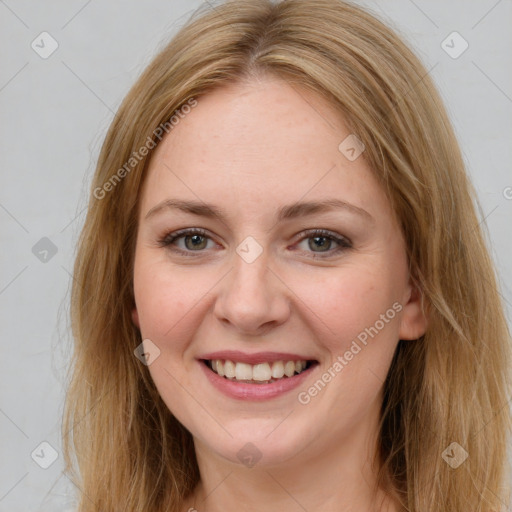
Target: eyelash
{"type": "Point", "coordinates": [170, 238]}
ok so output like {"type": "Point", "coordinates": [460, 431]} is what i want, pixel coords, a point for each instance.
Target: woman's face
{"type": "Point", "coordinates": [252, 171]}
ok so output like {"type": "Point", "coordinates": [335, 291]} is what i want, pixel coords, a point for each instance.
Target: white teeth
{"type": "Point", "coordinates": [262, 372]}
{"type": "Point", "coordinates": [278, 370]}
{"type": "Point", "coordinates": [229, 369]}
{"type": "Point", "coordinates": [243, 371]}
{"type": "Point", "coordinates": [289, 368]}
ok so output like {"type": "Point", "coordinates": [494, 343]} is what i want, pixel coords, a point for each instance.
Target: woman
{"type": "Point", "coordinates": [282, 297]}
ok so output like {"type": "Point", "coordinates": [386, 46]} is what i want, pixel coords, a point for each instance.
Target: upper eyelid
{"type": "Point", "coordinates": [341, 240]}
{"type": "Point", "coordinates": [204, 232]}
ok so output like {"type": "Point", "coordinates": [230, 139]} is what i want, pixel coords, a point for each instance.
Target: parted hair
{"type": "Point", "coordinates": [123, 447]}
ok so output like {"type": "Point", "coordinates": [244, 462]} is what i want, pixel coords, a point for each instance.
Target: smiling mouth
{"type": "Point", "coordinates": [263, 373]}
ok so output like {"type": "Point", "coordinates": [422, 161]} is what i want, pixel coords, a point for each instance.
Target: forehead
{"type": "Point", "coordinates": [255, 140]}
{"type": "Point", "coordinates": [256, 119]}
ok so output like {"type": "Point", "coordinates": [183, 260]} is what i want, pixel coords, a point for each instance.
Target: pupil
{"type": "Point", "coordinates": [196, 241]}
{"type": "Point", "coordinates": [322, 242]}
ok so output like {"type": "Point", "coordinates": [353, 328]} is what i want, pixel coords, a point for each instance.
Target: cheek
{"type": "Point", "coordinates": [344, 303]}
{"type": "Point", "coordinates": [165, 298]}
{"type": "Point", "coordinates": [355, 316]}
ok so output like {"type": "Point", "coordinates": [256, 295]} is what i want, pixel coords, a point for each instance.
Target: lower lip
{"type": "Point", "coordinates": [244, 391]}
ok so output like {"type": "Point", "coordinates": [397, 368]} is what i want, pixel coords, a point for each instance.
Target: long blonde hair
{"type": "Point", "coordinates": [450, 386]}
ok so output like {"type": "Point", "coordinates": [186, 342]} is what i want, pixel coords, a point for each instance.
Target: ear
{"type": "Point", "coordinates": [135, 316]}
{"type": "Point", "coordinates": [414, 322]}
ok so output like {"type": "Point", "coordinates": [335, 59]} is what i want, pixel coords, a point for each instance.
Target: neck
{"type": "Point", "coordinates": [320, 478]}
{"type": "Point", "coordinates": [270, 490]}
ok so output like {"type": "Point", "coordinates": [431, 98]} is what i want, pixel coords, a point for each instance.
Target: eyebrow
{"type": "Point", "coordinates": [294, 210]}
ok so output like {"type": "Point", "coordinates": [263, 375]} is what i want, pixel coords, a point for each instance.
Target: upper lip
{"type": "Point", "coordinates": [256, 358]}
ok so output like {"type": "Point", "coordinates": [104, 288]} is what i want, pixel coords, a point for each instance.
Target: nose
{"type": "Point", "coordinates": [252, 299]}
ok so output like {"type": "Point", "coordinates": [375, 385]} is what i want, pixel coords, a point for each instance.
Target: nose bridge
{"type": "Point", "coordinates": [251, 297]}
{"type": "Point", "coordinates": [251, 273]}
{"type": "Point", "coordinates": [250, 263]}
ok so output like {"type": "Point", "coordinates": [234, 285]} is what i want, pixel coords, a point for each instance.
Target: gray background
{"type": "Point", "coordinates": [55, 113]}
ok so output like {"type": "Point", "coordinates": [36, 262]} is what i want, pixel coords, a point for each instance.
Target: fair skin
{"type": "Point", "coordinates": [249, 149]}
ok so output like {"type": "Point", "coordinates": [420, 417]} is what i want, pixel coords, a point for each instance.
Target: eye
{"type": "Point", "coordinates": [321, 242]}
{"type": "Point", "coordinates": [187, 240]}
{"type": "Point", "coordinates": [325, 241]}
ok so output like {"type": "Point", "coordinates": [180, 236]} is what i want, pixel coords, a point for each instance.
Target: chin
{"type": "Point", "coordinates": [253, 446]}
